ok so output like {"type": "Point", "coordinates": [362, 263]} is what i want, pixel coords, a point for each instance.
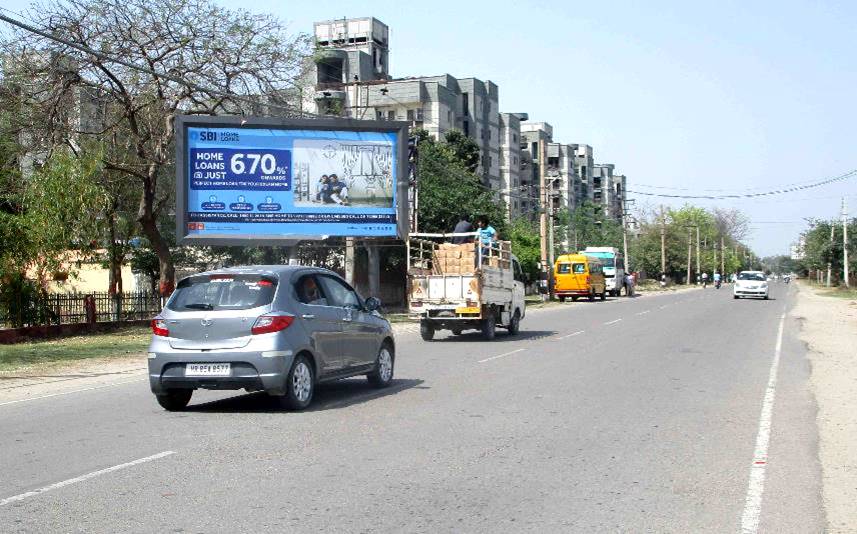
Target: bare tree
{"type": "Point", "coordinates": [124, 69]}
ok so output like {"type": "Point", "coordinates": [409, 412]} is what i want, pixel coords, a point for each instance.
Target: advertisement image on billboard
{"type": "Point", "coordinates": [263, 181]}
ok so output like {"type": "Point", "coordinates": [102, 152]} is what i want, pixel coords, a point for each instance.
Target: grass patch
{"type": "Point", "coordinates": [840, 292]}
{"type": "Point", "coordinates": [131, 340]}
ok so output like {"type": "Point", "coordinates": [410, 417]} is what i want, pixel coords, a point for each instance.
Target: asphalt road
{"type": "Point", "coordinates": [638, 415]}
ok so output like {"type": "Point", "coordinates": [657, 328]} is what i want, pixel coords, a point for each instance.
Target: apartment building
{"type": "Point", "coordinates": [510, 162]}
{"type": "Point", "coordinates": [608, 190]}
{"type": "Point", "coordinates": [352, 80]}
{"type": "Point", "coordinates": [532, 133]}
{"type": "Point", "coordinates": [584, 162]}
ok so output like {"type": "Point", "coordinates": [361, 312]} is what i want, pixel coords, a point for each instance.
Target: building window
{"type": "Point", "coordinates": [391, 115]}
{"type": "Point", "coordinates": [449, 116]}
{"type": "Point", "coordinates": [514, 138]}
{"type": "Point", "coordinates": [379, 115]}
{"type": "Point", "coordinates": [466, 126]}
{"type": "Point", "coordinates": [411, 115]}
{"type": "Point", "coordinates": [465, 104]}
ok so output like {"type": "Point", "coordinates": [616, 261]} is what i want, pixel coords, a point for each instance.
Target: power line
{"type": "Point", "coordinates": [152, 72]}
{"type": "Point", "coordinates": [792, 189]}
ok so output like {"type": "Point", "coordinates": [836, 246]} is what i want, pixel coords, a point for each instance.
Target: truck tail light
{"type": "Point", "coordinates": [266, 324]}
{"type": "Point", "coordinates": [159, 327]}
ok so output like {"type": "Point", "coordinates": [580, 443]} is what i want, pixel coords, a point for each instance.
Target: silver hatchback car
{"type": "Point", "coordinates": [278, 329]}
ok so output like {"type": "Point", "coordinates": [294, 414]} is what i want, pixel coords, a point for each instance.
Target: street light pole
{"type": "Point", "coordinates": [845, 242]}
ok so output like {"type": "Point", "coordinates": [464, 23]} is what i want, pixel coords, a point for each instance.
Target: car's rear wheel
{"type": "Point", "coordinates": [592, 296]}
{"type": "Point", "coordinates": [426, 331]}
{"type": "Point", "coordinates": [489, 326]}
{"type": "Point", "coordinates": [735, 297]}
{"type": "Point", "coordinates": [574, 299]}
{"type": "Point", "coordinates": [300, 384]}
{"type": "Point", "coordinates": [175, 400]}
{"type": "Point", "coordinates": [382, 376]}
{"type": "Point", "coordinates": [562, 299]}
{"type": "Point", "coordinates": [603, 295]}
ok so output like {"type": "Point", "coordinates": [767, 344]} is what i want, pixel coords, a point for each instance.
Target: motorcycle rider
{"type": "Point", "coordinates": [717, 280]}
{"type": "Point", "coordinates": [704, 280]}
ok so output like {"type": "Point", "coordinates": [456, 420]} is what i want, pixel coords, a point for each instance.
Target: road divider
{"type": "Point", "coordinates": [501, 355]}
{"type": "Point", "coordinates": [82, 478]}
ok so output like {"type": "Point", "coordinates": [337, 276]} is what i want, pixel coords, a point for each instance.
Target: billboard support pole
{"type": "Point", "coordinates": [349, 260]}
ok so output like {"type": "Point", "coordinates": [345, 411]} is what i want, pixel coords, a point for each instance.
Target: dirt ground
{"type": "Point", "coordinates": [829, 327]}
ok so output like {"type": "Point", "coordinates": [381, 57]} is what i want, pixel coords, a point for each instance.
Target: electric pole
{"type": "Point", "coordinates": [663, 242]}
{"type": "Point", "coordinates": [829, 264]}
{"type": "Point", "coordinates": [689, 250]}
{"type": "Point", "coordinates": [625, 234]}
{"type": "Point", "coordinates": [543, 217]}
{"type": "Point", "coordinates": [698, 269]}
{"type": "Point", "coordinates": [845, 243]}
{"type": "Point", "coordinates": [722, 256]}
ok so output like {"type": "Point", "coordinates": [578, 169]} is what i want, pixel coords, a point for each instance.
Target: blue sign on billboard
{"type": "Point", "coordinates": [267, 182]}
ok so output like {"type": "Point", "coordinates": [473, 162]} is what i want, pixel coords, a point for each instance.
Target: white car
{"type": "Point", "coordinates": [750, 284]}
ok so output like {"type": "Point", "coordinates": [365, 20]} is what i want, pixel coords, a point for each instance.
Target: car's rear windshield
{"type": "Point", "coordinates": [223, 292]}
{"type": "Point", "coordinates": [752, 276]}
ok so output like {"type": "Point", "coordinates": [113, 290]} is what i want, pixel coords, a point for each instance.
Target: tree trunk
{"type": "Point", "coordinates": [146, 217]}
{"type": "Point", "coordinates": [115, 259]}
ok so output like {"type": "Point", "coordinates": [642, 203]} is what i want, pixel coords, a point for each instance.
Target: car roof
{"type": "Point", "coordinates": [577, 257]}
{"type": "Point", "coordinates": [281, 271]}
{"type": "Point", "coordinates": [752, 272]}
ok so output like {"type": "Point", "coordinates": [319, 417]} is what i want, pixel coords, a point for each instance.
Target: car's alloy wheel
{"type": "Point", "coordinates": [300, 384]}
{"type": "Point", "coordinates": [382, 376]}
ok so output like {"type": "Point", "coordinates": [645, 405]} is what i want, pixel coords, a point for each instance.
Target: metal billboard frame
{"type": "Point", "coordinates": [183, 122]}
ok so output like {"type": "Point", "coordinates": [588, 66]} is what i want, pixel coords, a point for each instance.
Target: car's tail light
{"type": "Point", "coordinates": [588, 279]}
{"type": "Point", "coordinates": [159, 327]}
{"type": "Point", "coordinates": [266, 324]}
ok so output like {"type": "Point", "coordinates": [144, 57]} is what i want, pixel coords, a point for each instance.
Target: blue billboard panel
{"type": "Point", "coordinates": [269, 183]}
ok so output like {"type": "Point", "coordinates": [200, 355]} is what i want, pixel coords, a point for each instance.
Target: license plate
{"type": "Point", "coordinates": [467, 310]}
{"type": "Point", "coordinates": [207, 369]}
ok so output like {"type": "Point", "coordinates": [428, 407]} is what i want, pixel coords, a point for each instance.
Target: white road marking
{"type": "Point", "coordinates": [612, 322]}
{"type": "Point", "coordinates": [644, 312]}
{"type": "Point", "coordinates": [572, 335]}
{"type": "Point", "coordinates": [22, 496]}
{"type": "Point", "coordinates": [73, 391]}
{"type": "Point", "coordinates": [756, 486]}
{"type": "Point", "coordinates": [664, 306]}
{"type": "Point", "coordinates": [500, 356]}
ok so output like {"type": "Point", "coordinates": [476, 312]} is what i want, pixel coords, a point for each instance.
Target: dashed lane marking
{"type": "Point", "coordinates": [614, 321]}
{"type": "Point", "coordinates": [75, 480]}
{"type": "Point", "coordinates": [571, 335]}
{"type": "Point", "coordinates": [644, 312]}
{"type": "Point", "coordinates": [73, 391]}
{"type": "Point", "coordinates": [501, 355]}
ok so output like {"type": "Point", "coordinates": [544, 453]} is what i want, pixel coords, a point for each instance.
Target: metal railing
{"type": "Point", "coordinates": [69, 308]}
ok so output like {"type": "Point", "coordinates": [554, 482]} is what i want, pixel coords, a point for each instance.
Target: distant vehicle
{"type": "Point", "coordinates": [750, 284]}
{"type": "Point", "coordinates": [579, 275]}
{"type": "Point", "coordinates": [465, 286]}
{"type": "Point", "coordinates": [278, 329]}
{"type": "Point", "coordinates": [614, 267]}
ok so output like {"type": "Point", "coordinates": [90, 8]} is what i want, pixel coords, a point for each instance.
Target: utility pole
{"type": "Point", "coordinates": [625, 234]}
{"type": "Point", "coordinates": [845, 242]}
{"type": "Point", "coordinates": [689, 250]}
{"type": "Point", "coordinates": [722, 256]}
{"type": "Point", "coordinates": [543, 217]}
{"type": "Point", "coordinates": [698, 269]}
{"type": "Point", "coordinates": [663, 242]}
{"type": "Point", "coordinates": [829, 264]}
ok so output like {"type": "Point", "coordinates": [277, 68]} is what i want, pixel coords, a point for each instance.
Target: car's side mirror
{"type": "Point", "coordinates": [372, 304]}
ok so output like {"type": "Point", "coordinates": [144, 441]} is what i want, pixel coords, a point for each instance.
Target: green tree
{"type": "Point", "coordinates": [447, 190]}
{"type": "Point", "coordinates": [462, 149]}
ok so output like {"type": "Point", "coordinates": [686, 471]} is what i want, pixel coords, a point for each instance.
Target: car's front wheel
{"type": "Point", "coordinates": [382, 376]}
{"type": "Point", "coordinates": [300, 384]}
{"type": "Point", "coordinates": [175, 400]}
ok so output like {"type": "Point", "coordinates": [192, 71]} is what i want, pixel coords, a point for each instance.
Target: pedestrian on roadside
{"type": "Point", "coordinates": [463, 226]}
{"type": "Point", "coordinates": [629, 285]}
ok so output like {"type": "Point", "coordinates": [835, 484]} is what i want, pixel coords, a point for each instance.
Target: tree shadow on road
{"type": "Point", "coordinates": [330, 396]}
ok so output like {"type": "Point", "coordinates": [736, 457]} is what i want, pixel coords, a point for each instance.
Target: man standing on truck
{"type": "Point", "coordinates": [463, 226]}
{"type": "Point", "coordinates": [487, 235]}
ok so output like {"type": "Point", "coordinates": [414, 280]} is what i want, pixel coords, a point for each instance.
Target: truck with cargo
{"type": "Point", "coordinates": [464, 286]}
{"type": "Point", "coordinates": [614, 267]}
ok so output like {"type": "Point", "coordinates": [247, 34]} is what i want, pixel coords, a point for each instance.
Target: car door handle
{"type": "Point", "coordinates": [307, 316]}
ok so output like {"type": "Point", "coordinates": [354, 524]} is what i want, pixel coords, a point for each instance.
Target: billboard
{"type": "Point", "coordinates": [267, 181]}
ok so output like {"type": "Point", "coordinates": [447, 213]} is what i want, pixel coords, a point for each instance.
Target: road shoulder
{"type": "Point", "coordinates": [829, 328]}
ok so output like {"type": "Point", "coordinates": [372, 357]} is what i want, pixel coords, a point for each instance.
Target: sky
{"type": "Point", "coordinates": [681, 96]}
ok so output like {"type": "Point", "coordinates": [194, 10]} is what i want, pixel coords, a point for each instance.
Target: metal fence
{"type": "Point", "coordinates": [68, 308]}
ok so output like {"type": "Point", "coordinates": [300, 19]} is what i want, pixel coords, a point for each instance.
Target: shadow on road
{"type": "Point", "coordinates": [332, 396]}
{"type": "Point", "coordinates": [502, 336]}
